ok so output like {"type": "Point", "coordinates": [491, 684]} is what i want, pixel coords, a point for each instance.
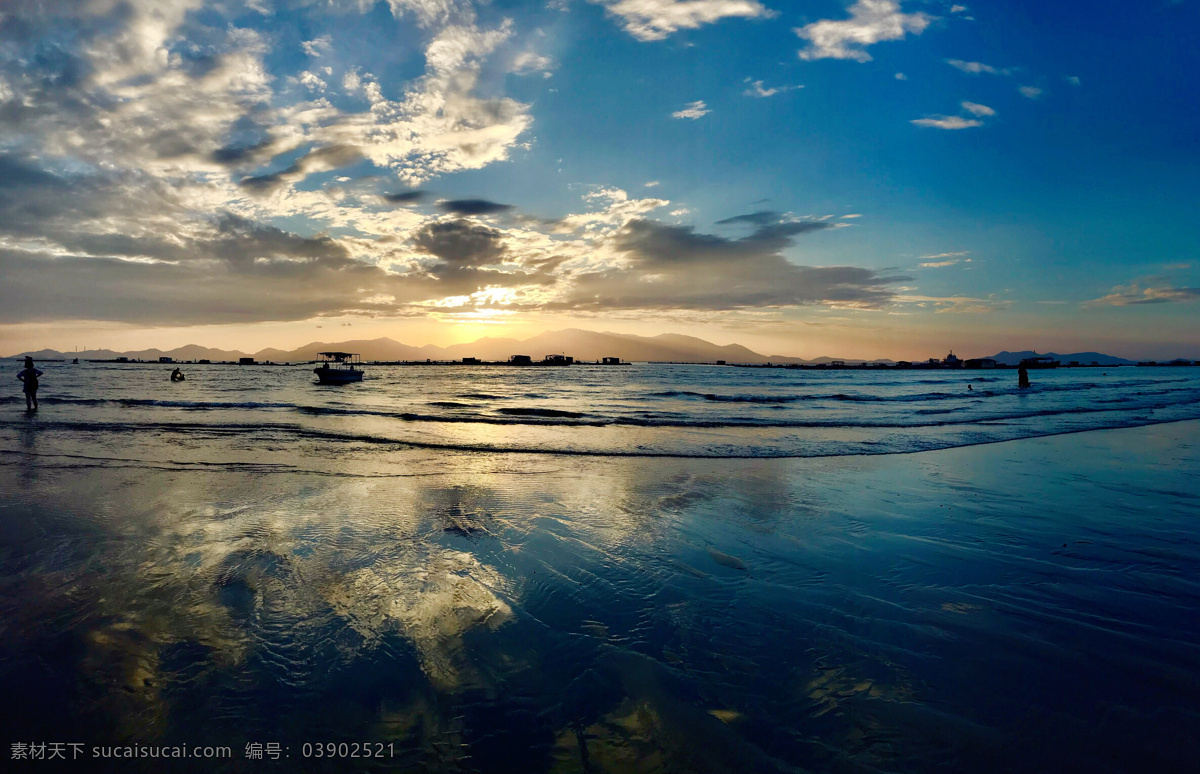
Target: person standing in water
{"type": "Point", "coordinates": [1022, 377]}
{"type": "Point", "coordinates": [29, 377]}
{"type": "Point", "coordinates": [177, 375]}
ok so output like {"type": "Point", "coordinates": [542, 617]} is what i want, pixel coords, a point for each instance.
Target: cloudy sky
{"type": "Point", "coordinates": [866, 178]}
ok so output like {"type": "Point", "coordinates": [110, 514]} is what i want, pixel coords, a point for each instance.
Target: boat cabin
{"type": "Point", "coordinates": [339, 368]}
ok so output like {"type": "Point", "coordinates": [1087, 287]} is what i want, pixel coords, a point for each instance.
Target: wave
{"type": "Point", "coordinates": [842, 397]}
{"type": "Point", "coordinates": [147, 402]}
{"type": "Point", "coordinates": [541, 412]}
{"type": "Point", "coordinates": [835, 448]}
{"type": "Point", "coordinates": [547, 417]}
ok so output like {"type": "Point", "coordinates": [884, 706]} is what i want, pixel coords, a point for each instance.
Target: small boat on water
{"type": "Point", "coordinates": [339, 368]}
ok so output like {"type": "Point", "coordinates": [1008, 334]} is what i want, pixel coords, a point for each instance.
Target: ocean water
{"type": "Point", "coordinates": [635, 569]}
{"type": "Point", "coordinates": [687, 411]}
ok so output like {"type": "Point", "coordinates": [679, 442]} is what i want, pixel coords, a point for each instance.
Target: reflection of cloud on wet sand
{"type": "Point", "coordinates": [433, 606]}
{"type": "Point", "coordinates": [214, 581]}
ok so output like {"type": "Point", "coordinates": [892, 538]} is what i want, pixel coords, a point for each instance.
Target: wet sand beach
{"type": "Point", "coordinates": [1027, 605]}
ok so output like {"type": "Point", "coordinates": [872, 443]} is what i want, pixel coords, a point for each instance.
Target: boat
{"type": "Point", "coordinates": [1041, 361]}
{"type": "Point", "coordinates": [339, 368]}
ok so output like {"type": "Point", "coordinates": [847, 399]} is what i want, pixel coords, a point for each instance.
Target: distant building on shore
{"type": "Point", "coordinates": [245, 361]}
{"type": "Point", "coordinates": [611, 361]}
{"type": "Point", "coordinates": [471, 360]}
{"type": "Point", "coordinates": [979, 362]}
{"type": "Point", "coordinates": [521, 360]}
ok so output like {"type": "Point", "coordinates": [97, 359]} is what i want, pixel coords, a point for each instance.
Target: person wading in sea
{"type": "Point", "coordinates": [1022, 377]}
{"type": "Point", "coordinates": [29, 376]}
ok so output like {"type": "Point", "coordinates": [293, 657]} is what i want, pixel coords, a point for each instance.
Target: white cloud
{"type": "Point", "coordinates": [656, 19]}
{"type": "Point", "coordinates": [432, 13]}
{"type": "Point", "coordinates": [1072, 79]}
{"type": "Point", "coordinates": [956, 304]}
{"type": "Point", "coordinates": [318, 46]}
{"type": "Point", "coordinates": [947, 122]}
{"type": "Point", "coordinates": [957, 8]}
{"type": "Point", "coordinates": [870, 22]}
{"type": "Point", "coordinates": [528, 62]}
{"type": "Point", "coordinates": [1032, 92]}
{"type": "Point", "coordinates": [693, 111]}
{"type": "Point", "coordinates": [975, 68]}
{"type": "Point", "coordinates": [901, 77]}
{"type": "Point", "coordinates": [651, 184]}
{"type": "Point", "coordinates": [757, 89]}
{"type": "Point", "coordinates": [311, 81]}
{"type": "Point", "coordinates": [951, 259]}
{"type": "Point", "coordinates": [1134, 294]}
{"type": "Point", "coordinates": [974, 108]}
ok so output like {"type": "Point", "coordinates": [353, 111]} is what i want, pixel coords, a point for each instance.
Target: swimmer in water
{"type": "Point", "coordinates": [29, 378]}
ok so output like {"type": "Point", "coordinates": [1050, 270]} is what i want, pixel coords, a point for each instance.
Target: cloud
{"type": "Point", "coordinates": [975, 68]}
{"type": "Point", "coordinates": [942, 260]}
{"type": "Point", "coordinates": [403, 197]}
{"type": "Point", "coordinates": [461, 242]}
{"type": "Point", "coordinates": [311, 81]}
{"type": "Point", "coordinates": [318, 46]}
{"type": "Point", "coordinates": [974, 108]}
{"type": "Point", "coordinates": [956, 304]}
{"type": "Point", "coordinates": [760, 218]}
{"type": "Point", "coordinates": [651, 184]}
{"type": "Point", "coordinates": [656, 19]}
{"type": "Point", "coordinates": [901, 77]}
{"type": "Point", "coordinates": [693, 111]}
{"type": "Point", "coordinates": [527, 62]}
{"type": "Point", "coordinates": [870, 22]}
{"type": "Point", "coordinates": [1032, 92]}
{"type": "Point", "coordinates": [673, 267]}
{"type": "Point", "coordinates": [758, 90]}
{"type": "Point", "coordinates": [947, 122]}
{"type": "Point", "coordinates": [473, 207]}
{"type": "Point", "coordinates": [319, 160]}
{"type": "Point", "coordinates": [1072, 79]}
{"type": "Point", "coordinates": [166, 167]}
{"type": "Point", "coordinates": [957, 8]}
{"type": "Point", "coordinates": [1134, 294]}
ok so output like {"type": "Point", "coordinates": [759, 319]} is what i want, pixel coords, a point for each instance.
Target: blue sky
{"type": "Point", "coordinates": [868, 178]}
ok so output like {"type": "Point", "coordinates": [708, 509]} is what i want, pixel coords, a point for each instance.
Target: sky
{"type": "Point", "coordinates": [875, 178]}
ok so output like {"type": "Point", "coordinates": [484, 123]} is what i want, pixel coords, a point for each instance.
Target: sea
{"type": "Point", "coordinates": [649, 567]}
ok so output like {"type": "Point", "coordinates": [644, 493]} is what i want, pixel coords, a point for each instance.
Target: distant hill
{"type": "Point", "coordinates": [1086, 358]}
{"type": "Point", "coordinates": [189, 352]}
{"type": "Point", "coordinates": [581, 344]}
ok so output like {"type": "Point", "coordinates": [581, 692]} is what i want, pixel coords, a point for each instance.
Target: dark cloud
{"type": "Point", "coordinates": [760, 218]}
{"type": "Point", "coordinates": [320, 160]}
{"type": "Point", "coordinates": [461, 243]}
{"type": "Point", "coordinates": [233, 155]}
{"type": "Point", "coordinates": [673, 267]}
{"type": "Point", "coordinates": [404, 197]}
{"type": "Point", "coordinates": [473, 207]}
